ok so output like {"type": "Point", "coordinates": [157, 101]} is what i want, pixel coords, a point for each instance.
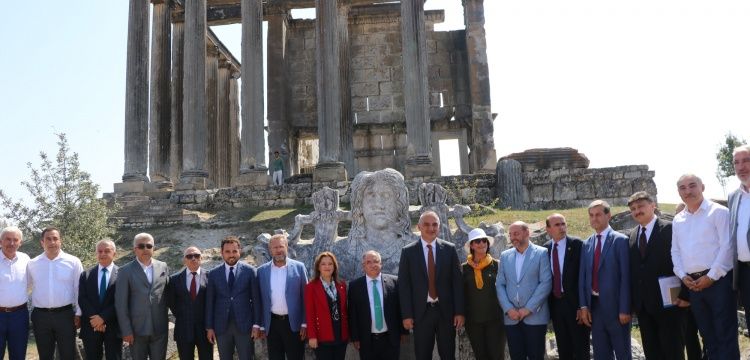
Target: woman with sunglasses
{"type": "Point", "coordinates": [325, 309]}
{"type": "Point", "coordinates": [484, 317]}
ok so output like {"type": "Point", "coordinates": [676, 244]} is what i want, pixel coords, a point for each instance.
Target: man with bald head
{"type": "Point", "coordinates": [431, 291]}
{"type": "Point", "coordinates": [739, 222]}
{"type": "Point", "coordinates": [702, 253]}
{"type": "Point", "coordinates": [14, 312]}
{"type": "Point", "coordinates": [186, 297]}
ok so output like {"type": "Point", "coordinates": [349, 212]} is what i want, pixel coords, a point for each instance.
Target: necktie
{"type": "Point", "coordinates": [431, 287]}
{"type": "Point", "coordinates": [193, 289]}
{"type": "Point", "coordinates": [595, 273]}
{"type": "Point", "coordinates": [103, 285]}
{"type": "Point", "coordinates": [231, 277]}
{"type": "Point", "coordinates": [642, 242]}
{"type": "Point", "coordinates": [377, 305]}
{"type": "Point", "coordinates": [556, 277]}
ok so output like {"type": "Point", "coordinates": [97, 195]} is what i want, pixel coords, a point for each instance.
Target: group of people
{"type": "Point", "coordinates": [589, 289]}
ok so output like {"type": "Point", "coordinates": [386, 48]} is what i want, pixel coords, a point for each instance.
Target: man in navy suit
{"type": "Point", "coordinates": [604, 286]}
{"type": "Point", "coordinates": [431, 291]}
{"type": "Point", "coordinates": [232, 307]}
{"type": "Point", "coordinates": [523, 285]}
{"type": "Point", "coordinates": [186, 297]}
{"type": "Point", "coordinates": [96, 298]}
{"type": "Point", "coordinates": [282, 283]}
{"type": "Point", "coordinates": [374, 313]}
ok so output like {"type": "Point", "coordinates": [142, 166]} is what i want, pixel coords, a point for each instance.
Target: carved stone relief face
{"type": "Point", "coordinates": [378, 206]}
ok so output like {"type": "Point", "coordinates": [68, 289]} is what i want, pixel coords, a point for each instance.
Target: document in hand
{"type": "Point", "coordinates": [670, 288]}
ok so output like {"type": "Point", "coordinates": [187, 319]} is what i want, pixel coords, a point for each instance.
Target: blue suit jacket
{"type": "Point", "coordinates": [242, 299]}
{"type": "Point", "coordinates": [533, 288]}
{"type": "Point", "coordinates": [296, 278]}
{"type": "Point", "coordinates": [614, 274]}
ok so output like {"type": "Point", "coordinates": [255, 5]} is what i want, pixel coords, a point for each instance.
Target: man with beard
{"type": "Point", "coordinates": [282, 282]}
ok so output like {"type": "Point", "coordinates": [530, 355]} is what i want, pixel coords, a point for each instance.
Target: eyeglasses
{"type": "Point", "coordinates": [144, 246]}
{"type": "Point", "coordinates": [481, 240]}
{"type": "Point", "coordinates": [192, 256]}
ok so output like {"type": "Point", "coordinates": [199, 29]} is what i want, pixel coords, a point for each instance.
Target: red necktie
{"type": "Point", "coordinates": [193, 290]}
{"type": "Point", "coordinates": [597, 255]}
{"type": "Point", "coordinates": [556, 277]}
{"type": "Point", "coordinates": [642, 242]}
{"type": "Point", "coordinates": [431, 286]}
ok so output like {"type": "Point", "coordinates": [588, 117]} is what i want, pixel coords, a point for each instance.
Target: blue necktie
{"type": "Point", "coordinates": [231, 277]}
{"type": "Point", "coordinates": [103, 285]}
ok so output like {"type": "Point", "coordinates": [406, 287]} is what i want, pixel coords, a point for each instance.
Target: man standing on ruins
{"type": "Point", "coordinates": [14, 313]}
{"type": "Point", "coordinates": [702, 255]}
{"type": "Point", "coordinates": [433, 309]}
{"type": "Point", "coordinates": [277, 167]}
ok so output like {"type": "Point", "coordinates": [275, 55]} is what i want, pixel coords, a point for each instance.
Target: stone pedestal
{"type": "Point", "coordinates": [129, 187]}
{"type": "Point", "coordinates": [331, 171]}
{"type": "Point", "coordinates": [418, 170]}
{"type": "Point", "coordinates": [253, 178]}
{"type": "Point", "coordinates": [192, 183]}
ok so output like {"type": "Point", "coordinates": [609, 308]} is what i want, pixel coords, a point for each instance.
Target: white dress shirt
{"type": "Point", "coordinates": [109, 274]}
{"type": "Point", "coordinates": [148, 270]}
{"type": "Point", "coordinates": [560, 257]}
{"type": "Point", "coordinates": [278, 290]}
{"type": "Point", "coordinates": [189, 279]}
{"type": "Point", "coordinates": [743, 221]}
{"type": "Point", "coordinates": [14, 284]}
{"type": "Point", "coordinates": [520, 258]}
{"type": "Point", "coordinates": [700, 241]}
{"type": "Point", "coordinates": [369, 280]}
{"type": "Point", "coordinates": [649, 230]}
{"type": "Point", "coordinates": [434, 257]}
{"type": "Point", "coordinates": [54, 282]}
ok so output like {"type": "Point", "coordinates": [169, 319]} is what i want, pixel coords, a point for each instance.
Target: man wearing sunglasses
{"type": "Point", "coordinates": [186, 297]}
{"type": "Point", "coordinates": [140, 301]}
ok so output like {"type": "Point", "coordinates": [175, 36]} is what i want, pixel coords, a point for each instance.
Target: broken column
{"type": "Point", "coordinates": [160, 118]}
{"type": "Point", "coordinates": [212, 73]}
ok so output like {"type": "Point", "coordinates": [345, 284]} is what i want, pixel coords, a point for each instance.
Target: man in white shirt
{"type": "Point", "coordinates": [739, 217]}
{"type": "Point", "coordinates": [54, 277]}
{"type": "Point", "coordinates": [14, 313]}
{"type": "Point", "coordinates": [702, 254]}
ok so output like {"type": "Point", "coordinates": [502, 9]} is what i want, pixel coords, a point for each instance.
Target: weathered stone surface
{"type": "Point", "coordinates": [552, 158]}
{"type": "Point", "coordinates": [509, 184]}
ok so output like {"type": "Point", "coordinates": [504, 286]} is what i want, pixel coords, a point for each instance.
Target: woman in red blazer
{"type": "Point", "coordinates": [325, 309]}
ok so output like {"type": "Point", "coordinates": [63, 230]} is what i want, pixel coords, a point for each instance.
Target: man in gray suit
{"type": "Point", "coordinates": [739, 222]}
{"type": "Point", "coordinates": [523, 285]}
{"type": "Point", "coordinates": [140, 301]}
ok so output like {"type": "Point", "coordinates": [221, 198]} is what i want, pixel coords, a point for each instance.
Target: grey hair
{"type": "Point", "coordinates": [107, 242]}
{"type": "Point", "coordinates": [373, 253]}
{"type": "Point", "coordinates": [687, 176]}
{"type": "Point", "coordinates": [12, 229]}
{"type": "Point", "coordinates": [142, 236]}
{"type": "Point", "coordinates": [280, 236]}
{"type": "Point", "coordinates": [741, 148]}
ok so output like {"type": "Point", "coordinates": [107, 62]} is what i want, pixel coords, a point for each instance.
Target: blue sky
{"type": "Point", "coordinates": [655, 82]}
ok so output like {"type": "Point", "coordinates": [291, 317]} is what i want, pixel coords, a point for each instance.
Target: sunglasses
{"type": "Point", "coordinates": [193, 256]}
{"type": "Point", "coordinates": [480, 240]}
{"type": "Point", "coordinates": [145, 246]}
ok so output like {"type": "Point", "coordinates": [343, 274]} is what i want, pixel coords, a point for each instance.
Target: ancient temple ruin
{"type": "Point", "coordinates": [371, 82]}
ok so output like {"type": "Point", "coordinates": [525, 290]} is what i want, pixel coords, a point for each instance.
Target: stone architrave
{"type": "Point", "coordinates": [278, 127]}
{"type": "Point", "coordinates": [483, 155]}
{"type": "Point", "coordinates": [178, 52]}
{"type": "Point", "coordinates": [223, 124]}
{"type": "Point", "coordinates": [234, 127]}
{"type": "Point", "coordinates": [212, 74]}
{"type": "Point", "coordinates": [160, 132]}
{"type": "Point", "coordinates": [416, 105]}
{"type": "Point", "coordinates": [253, 168]}
{"type": "Point", "coordinates": [136, 99]}
{"type": "Point", "coordinates": [194, 127]}
{"type": "Point", "coordinates": [328, 58]}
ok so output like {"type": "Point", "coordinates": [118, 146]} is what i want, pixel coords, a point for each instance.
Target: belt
{"type": "Point", "coordinates": [594, 293]}
{"type": "Point", "coordinates": [279, 317]}
{"type": "Point", "coordinates": [745, 263]}
{"type": "Point", "coordinates": [431, 304]}
{"type": "Point", "coordinates": [697, 275]}
{"type": "Point", "coordinates": [12, 308]}
{"type": "Point", "coordinates": [57, 309]}
{"type": "Point", "coordinates": [376, 336]}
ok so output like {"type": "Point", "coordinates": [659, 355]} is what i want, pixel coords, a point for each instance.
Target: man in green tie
{"type": "Point", "coordinates": [374, 314]}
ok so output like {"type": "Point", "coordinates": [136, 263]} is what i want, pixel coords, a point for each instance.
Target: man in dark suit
{"type": "Point", "coordinates": [604, 286]}
{"type": "Point", "coordinates": [375, 323]}
{"type": "Point", "coordinates": [140, 302]}
{"type": "Point", "coordinates": [431, 291]}
{"type": "Point", "coordinates": [186, 297]}
{"type": "Point", "coordinates": [650, 260]}
{"type": "Point", "coordinates": [96, 298]}
{"type": "Point", "coordinates": [565, 260]}
{"type": "Point", "coordinates": [739, 223]}
{"type": "Point", "coordinates": [232, 304]}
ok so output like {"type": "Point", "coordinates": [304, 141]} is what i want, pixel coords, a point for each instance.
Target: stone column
{"type": "Point", "coordinates": [328, 57]}
{"type": "Point", "coordinates": [483, 155]}
{"type": "Point", "coordinates": [178, 50]}
{"type": "Point", "coordinates": [416, 91]}
{"type": "Point", "coordinates": [194, 127]}
{"type": "Point", "coordinates": [212, 73]}
{"type": "Point", "coordinates": [347, 116]}
{"type": "Point", "coordinates": [253, 160]}
{"type": "Point", "coordinates": [136, 100]}
{"type": "Point", "coordinates": [160, 118]}
{"type": "Point", "coordinates": [278, 126]}
{"type": "Point", "coordinates": [222, 124]}
{"type": "Point", "coordinates": [234, 127]}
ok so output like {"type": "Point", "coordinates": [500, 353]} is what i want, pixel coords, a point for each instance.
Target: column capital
{"type": "Point", "coordinates": [212, 50]}
{"type": "Point", "coordinates": [224, 62]}
{"type": "Point", "coordinates": [236, 73]}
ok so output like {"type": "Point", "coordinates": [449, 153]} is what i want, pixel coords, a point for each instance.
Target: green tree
{"type": "Point", "coordinates": [724, 158]}
{"type": "Point", "coordinates": [62, 195]}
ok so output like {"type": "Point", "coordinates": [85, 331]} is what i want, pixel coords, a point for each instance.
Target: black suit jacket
{"type": "Point", "coordinates": [413, 284]}
{"type": "Point", "coordinates": [645, 272]}
{"type": "Point", "coordinates": [571, 266]}
{"type": "Point", "coordinates": [88, 301]}
{"type": "Point", "coordinates": [189, 314]}
{"type": "Point", "coordinates": [360, 322]}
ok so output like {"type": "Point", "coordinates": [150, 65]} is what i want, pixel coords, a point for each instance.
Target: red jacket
{"type": "Point", "coordinates": [319, 323]}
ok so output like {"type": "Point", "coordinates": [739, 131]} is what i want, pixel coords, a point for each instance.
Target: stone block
{"type": "Point", "coordinates": [364, 62]}
{"type": "Point", "coordinates": [418, 170]}
{"type": "Point", "coordinates": [129, 187]}
{"type": "Point", "coordinates": [365, 89]}
{"type": "Point", "coordinates": [541, 193]}
{"type": "Point", "coordinates": [387, 87]}
{"type": "Point", "coordinates": [632, 175]}
{"type": "Point", "coordinates": [585, 190]}
{"type": "Point", "coordinates": [252, 179]}
{"type": "Point", "coordinates": [565, 191]}
{"type": "Point", "coordinates": [391, 116]}
{"type": "Point", "coordinates": [359, 103]}
{"type": "Point", "coordinates": [380, 102]}
{"type": "Point", "coordinates": [368, 117]}
{"type": "Point", "coordinates": [329, 173]}
{"type": "Point", "coordinates": [191, 183]}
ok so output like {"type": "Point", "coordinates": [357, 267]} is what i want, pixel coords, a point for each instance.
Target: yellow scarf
{"type": "Point", "coordinates": [478, 268]}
